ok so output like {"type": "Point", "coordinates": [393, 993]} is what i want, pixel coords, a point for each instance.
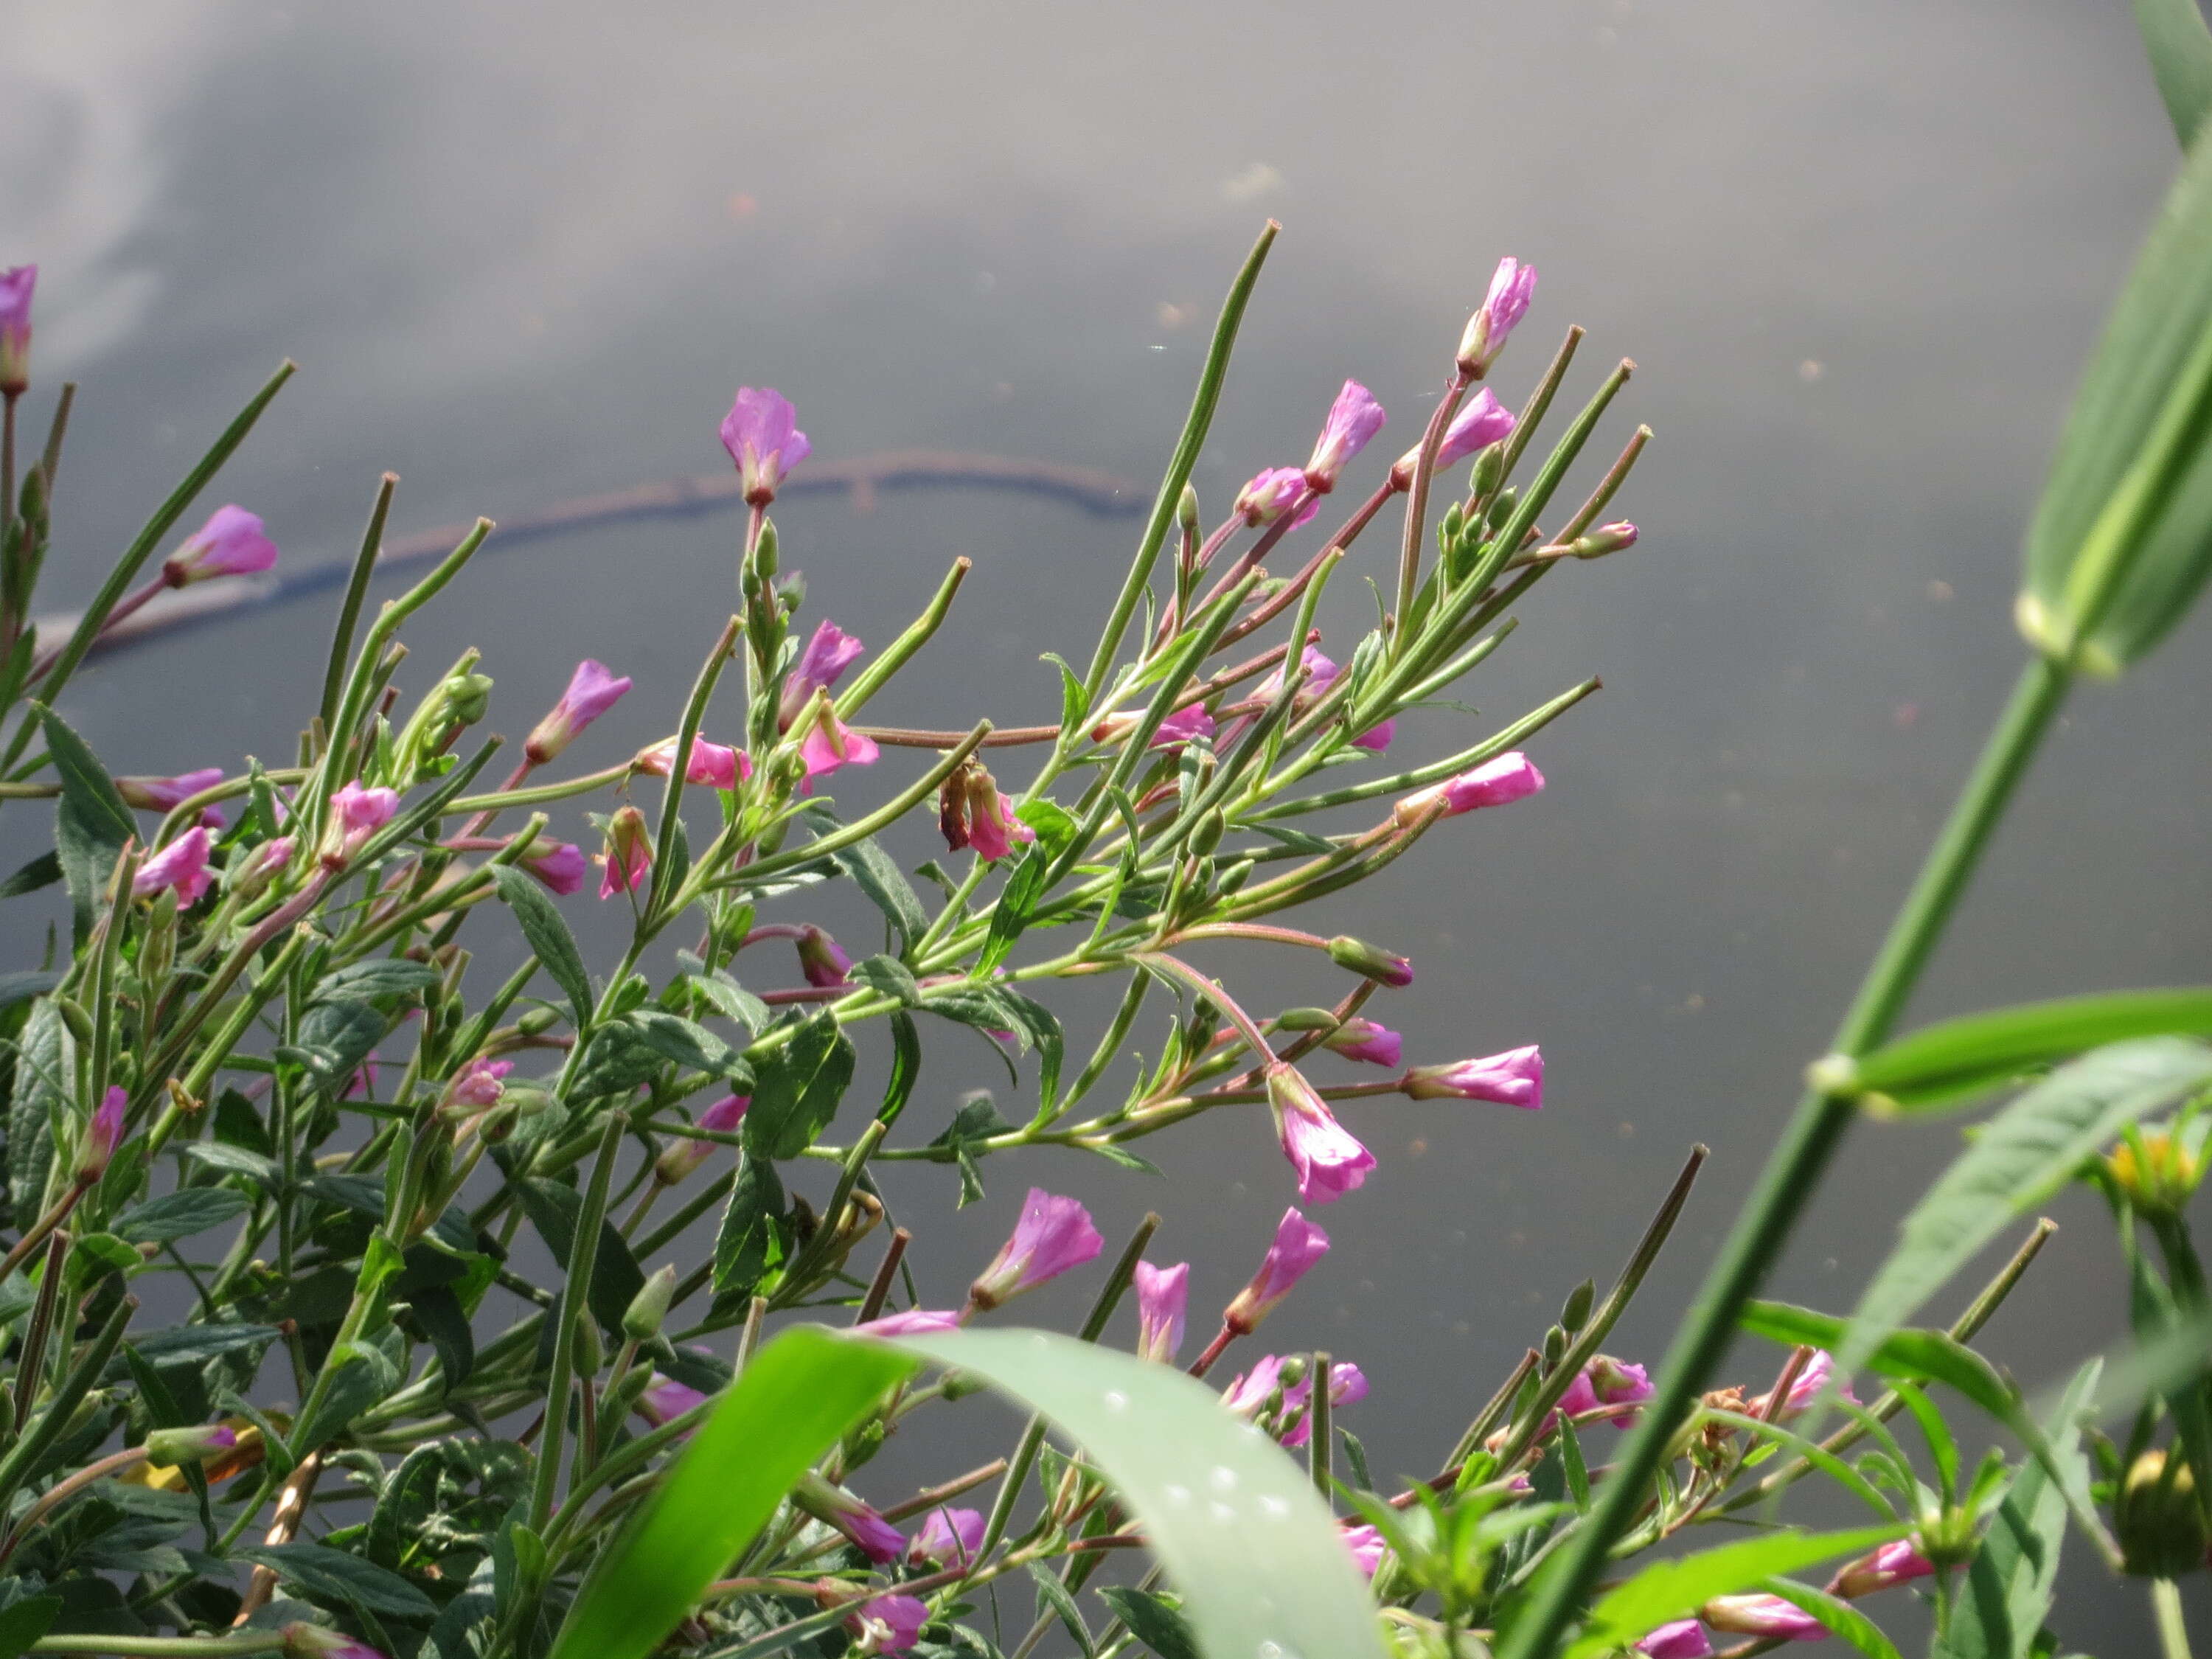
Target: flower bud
{"type": "Point", "coordinates": [1187, 513]}
{"type": "Point", "coordinates": [1606, 539]}
{"type": "Point", "coordinates": [1512, 287]}
{"type": "Point", "coordinates": [711, 762]}
{"type": "Point", "coordinates": [1762, 1615]}
{"type": "Point", "coordinates": [169, 1447]}
{"type": "Point", "coordinates": [163, 794]}
{"type": "Point", "coordinates": [560, 865]}
{"type": "Point", "coordinates": [1489, 471]}
{"type": "Point", "coordinates": [1576, 1314]}
{"type": "Point", "coordinates": [1363, 1039]}
{"type": "Point", "coordinates": [1353, 419]}
{"type": "Point", "coordinates": [1893, 1564]}
{"type": "Point", "coordinates": [2156, 1172]}
{"type": "Point", "coordinates": [821, 960]}
{"type": "Point", "coordinates": [1162, 1295]}
{"type": "Point", "coordinates": [1481, 422]}
{"type": "Point", "coordinates": [477, 1087]}
{"type": "Point", "coordinates": [1205, 835]}
{"type": "Point", "coordinates": [629, 855]}
{"type": "Point", "coordinates": [1497, 782]}
{"type": "Point", "coordinates": [640, 1320]}
{"type": "Point", "coordinates": [261, 866]}
{"type": "Point", "coordinates": [232, 543]}
{"type": "Point", "coordinates": [1514, 1078]}
{"type": "Point", "coordinates": [592, 689]}
{"type": "Point", "coordinates": [949, 1537]}
{"type": "Point", "coordinates": [2159, 1521]}
{"type": "Point", "coordinates": [875, 1537]}
{"type": "Point", "coordinates": [356, 814]}
{"type": "Point", "coordinates": [678, 1161]}
{"type": "Point", "coordinates": [1683, 1638]}
{"type": "Point", "coordinates": [1273, 492]}
{"type": "Point", "coordinates": [1297, 1246]}
{"type": "Point", "coordinates": [101, 1137]}
{"type": "Point", "coordinates": [306, 1641]}
{"type": "Point", "coordinates": [181, 867]}
{"type": "Point", "coordinates": [17, 284]}
{"type": "Point", "coordinates": [1372, 961]}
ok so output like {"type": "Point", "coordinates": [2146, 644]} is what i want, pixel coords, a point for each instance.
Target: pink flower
{"type": "Point", "coordinates": [1497, 782]}
{"type": "Point", "coordinates": [1182, 725]}
{"type": "Point", "coordinates": [915, 1322]}
{"type": "Point", "coordinates": [1762, 1615]}
{"type": "Point", "coordinates": [356, 814]}
{"type": "Point", "coordinates": [832, 744]}
{"type": "Point", "coordinates": [162, 794]}
{"type": "Point", "coordinates": [949, 1537]}
{"type": "Point", "coordinates": [1512, 287]}
{"type": "Point", "coordinates": [971, 813]}
{"type": "Point", "coordinates": [478, 1083]}
{"type": "Point", "coordinates": [1811, 1381]}
{"type": "Point", "coordinates": [182, 865]}
{"type": "Point", "coordinates": [1367, 1547]}
{"type": "Point", "coordinates": [230, 544]}
{"type": "Point", "coordinates": [1330, 1161]}
{"type": "Point", "coordinates": [1275, 491]}
{"type": "Point", "coordinates": [1363, 1039]}
{"type": "Point", "coordinates": [561, 866]}
{"type": "Point", "coordinates": [1162, 1294]}
{"type": "Point", "coordinates": [16, 284]}
{"type": "Point", "coordinates": [678, 1161]}
{"type": "Point", "coordinates": [761, 435]}
{"type": "Point", "coordinates": [1353, 418]}
{"type": "Point", "coordinates": [1320, 674]}
{"type": "Point", "coordinates": [1604, 1382]}
{"type": "Point", "coordinates": [592, 691]}
{"type": "Point", "coordinates": [261, 866]}
{"type": "Point", "coordinates": [1514, 1078]}
{"type": "Point", "coordinates": [828, 655]}
{"type": "Point", "coordinates": [1683, 1639]}
{"type": "Point", "coordinates": [101, 1137]}
{"type": "Point", "coordinates": [1893, 1564]}
{"type": "Point", "coordinates": [1348, 1386]}
{"type": "Point", "coordinates": [834, 1506]}
{"type": "Point", "coordinates": [1299, 1244]}
{"type": "Point", "coordinates": [821, 961]}
{"type": "Point", "coordinates": [887, 1624]}
{"type": "Point", "coordinates": [1251, 1389]}
{"type": "Point", "coordinates": [1053, 1235]}
{"type": "Point", "coordinates": [629, 855]}
{"type": "Point", "coordinates": [666, 1400]}
{"type": "Point", "coordinates": [1481, 421]}
{"type": "Point", "coordinates": [710, 762]}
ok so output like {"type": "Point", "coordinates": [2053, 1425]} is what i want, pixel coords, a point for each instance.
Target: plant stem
{"type": "Point", "coordinates": [1808, 1143]}
{"type": "Point", "coordinates": [2166, 1603]}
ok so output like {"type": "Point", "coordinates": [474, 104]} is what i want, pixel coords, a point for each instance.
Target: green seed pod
{"type": "Point", "coordinates": [589, 1352]}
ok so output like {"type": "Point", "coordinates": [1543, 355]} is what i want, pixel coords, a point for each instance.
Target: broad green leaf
{"type": "Point", "coordinates": [91, 823]}
{"type": "Point", "coordinates": [1959, 1058]}
{"type": "Point", "coordinates": [553, 1210]}
{"type": "Point", "coordinates": [876, 874]}
{"type": "Point", "coordinates": [797, 1088]}
{"type": "Point", "coordinates": [43, 871]}
{"type": "Point", "coordinates": [2021, 1157]}
{"type": "Point", "coordinates": [2122, 539]}
{"type": "Point", "coordinates": [333, 1576]}
{"type": "Point", "coordinates": [1233, 1520]}
{"type": "Point", "coordinates": [674, 1038]}
{"type": "Point", "coordinates": [1153, 1621]}
{"type": "Point", "coordinates": [24, 986]}
{"type": "Point", "coordinates": [549, 937]}
{"type": "Point", "coordinates": [744, 1246]}
{"type": "Point", "coordinates": [2180, 49]}
{"type": "Point", "coordinates": [798, 1395]}
{"type": "Point", "coordinates": [1668, 1591]}
{"type": "Point", "coordinates": [383, 976]}
{"type": "Point", "coordinates": [1018, 901]}
{"type": "Point", "coordinates": [1838, 1615]}
{"type": "Point", "coordinates": [180, 1214]}
{"type": "Point", "coordinates": [890, 976]}
{"type": "Point", "coordinates": [2007, 1587]}
{"type": "Point", "coordinates": [1917, 1356]}
{"type": "Point", "coordinates": [24, 1622]}
{"type": "Point", "coordinates": [45, 1076]}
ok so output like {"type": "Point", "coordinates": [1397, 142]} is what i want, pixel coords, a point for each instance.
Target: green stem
{"type": "Point", "coordinates": [576, 1289]}
{"type": "Point", "coordinates": [164, 1647]}
{"type": "Point", "coordinates": [1808, 1143]}
{"type": "Point", "coordinates": [2173, 1633]}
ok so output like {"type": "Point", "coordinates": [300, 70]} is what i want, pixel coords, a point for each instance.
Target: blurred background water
{"type": "Point", "coordinates": [1857, 249]}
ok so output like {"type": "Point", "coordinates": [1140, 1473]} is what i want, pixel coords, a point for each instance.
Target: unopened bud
{"type": "Point", "coordinates": [157, 948]}
{"type": "Point", "coordinates": [641, 1320]}
{"type": "Point", "coordinates": [588, 1352]}
{"type": "Point", "coordinates": [1489, 470]}
{"type": "Point", "coordinates": [1576, 1312]}
{"type": "Point", "coordinates": [101, 1137]}
{"type": "Point", "coordinates": [1187, 512]}
{"type": "Point", "coordinates": [1370, 960]}
{"type": "Point", "coordinates": [1306, 1019]}
{"type": "Point", "coordinates": [764, 552]}
{"type": "Point", "coordinates": [1606, 539]}
{"type": "Point", "coordinates": [2156, 1172]}
{"type": "Point", "coordinates": [1294, 1372]}
{"type": "Point", "coordinates": [171, 1447]}
{"type": "Point", "coordinates": [1205, 835]}
{"type": "Point", "coordinates": [468, 697]}
{"type": "Point", "coordinates": [2158, 1520]}
{"type": "Point", "coordinates": [1555, 1347]}
{"type": "Point", "coordinates": [306, 1641]}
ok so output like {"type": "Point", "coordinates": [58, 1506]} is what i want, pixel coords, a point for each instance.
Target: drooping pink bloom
{"type": "Point", "coordinates": [306, 1641]}
{"type": "Point", "coordinates": [948, 1536]}
{"type": "Point", "coordinates": [1367, 1545]}
{"type": "Point", "coordinates": [561, 866]}
{"type": "Point", "coordinates": [1762, 1615]}
{"type": "Point", "coordinates": [915, 1322]}
{"type": "Point", "coordinates": [761, 434]}
{"type": "Point", "coordinates": [182, 865]}
{"type": "Point", "coordinates": [666, 1400]}
{"type": "Point", "coordinates": [1481, 421]}
{"type": "Point", "coordinates": [828, 655]}
{"type": "Point", "coordinates": [1685, 1638]}
{"type": "Point", "coordinates": [1893, 1564]}
{"type": "Point", "coordinates": [356, 814]}
{"type": "Point", "coordinates": [232, 543]}
{"type": "Point", "coordinates": [887, 1624]}
{"type": "Point", "coordinates": [1275, 491]}
{"type": "Point", "coordinates": [1604, 1382]}
{"type": "Point", "coordinates": [832, 744]}
{"type": "Point", "coordinates": [834, 1506]}
{"type": "Point", "coordinates": [711, 762]}
{"type": "Point", "coordinates": [1353, 418]}
{"type": "Point", "coordinates": [823, 964]}
{"type": "Point", "coordinates": [162, 794]}
{"type": "Point", "coordinates": [102, 1136]}
{"type": "Point", "coordinates": [478, 1084]}
{"type": "Point", "coordinates": [1512, 287]}
{"type": "Point", "coordinates": [1328, 1161]}
{"type": "Point", "coordinates": [16, 284]}
{"type": "Point", "coordinates": [1812, 1380]}
{"type": "Point", "coordinates": [1497, 782]}
{"type": "Point", "coordinates": [1182, 725]}
{"type": "Point", "coordinates": [629, 855]}
{"type": "Point", "coordinates": [592, 689]}
{"type": "Point", "coordinates": [1053, 1235]}
{"type": "Point", "coordinates": [1163, 1295]}
{"type": "Point", "coordinates": [975, 814]}
{"type": "Point", "coordinates": [1514, 1078]}
{"type": "Point", "coordinates": [1348, 1386]}
{"type": "Point", "coordinates": [678, 1161]}
{"type": "Point", "coordinates": [1371, 960]}
{"type": "Point", "coordinates": [1297, 1245]}
{"type": "Point", "coordinates": [1363, 1039]}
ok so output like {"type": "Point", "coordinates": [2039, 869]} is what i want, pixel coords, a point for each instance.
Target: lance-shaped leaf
{"type": "Point", "coordinates": [2180, 49]}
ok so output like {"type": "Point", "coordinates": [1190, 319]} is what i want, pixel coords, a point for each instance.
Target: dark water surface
{"type": "Point", "coordinates": [1858, 251]}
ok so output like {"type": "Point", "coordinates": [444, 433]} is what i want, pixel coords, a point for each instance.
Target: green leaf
{"type": "Point", "coordinates": [554, 1211]}
{"type": "Point", "coordinates": [1152, 1620]}
{"type": "Point", "coordinates": [906, 1066]}
{"type": "Point", "coordinates": [1838, 1615]}
{"type": "Point", "coordinates": [195, 1345]}
{"type": "Point", "coordinates": [24, 1622]}
{"type": "Point", "coordinates": [1942, 1063]}
{"type": "Point", "coordinates": [876, 874]}
{"type": "Point", "coordinates": [330, 1576]}
{"type": "Point", "coordinates": [85, 782]}
{"type": "Point", "coordinates": [2122, 539]}
{"type": "Point", "coordinates": [2023, 1156]}
{"type": "Point", "coordinates": [889, 976]}
{"type": "Point", "coordinates": [235, 1160]}
{"type": "Point", "coordinates": [45, 1076]}
{"type": "Point", "coordinates": [794, 1401]}
{"type": "Point", "coordinates": [2014, 1574]}
{"type": "Point", "coordinates": [43, 871]}
{"type": "Point", "coordinates": [746, 1246]}
{"type": "Point", "coordinates": [619, 1057]}
{"type": "Point", "coordinates": [797, 1089]}
{"type": "Point", "coordinates": [2180, 49]}
{"type": "Point", "coordinates": [1018, 901]}
{"type": "Point", "coordinates": [549, 937]}
{"type": "Point", "coordinates": [384, 977]}
{"type": "Point", "coordinates": [1234, 1522]}
{"type": "Point", "coordinates": [336, 1037]}
{"type": "Point", "coordinates": [1668, 1590]}
{"type": "Point", "coordinates": [731, 1000]}
{"type": "Point", "coordinates": [22, 987]}
{"type": "Point", "coordinates": [1917, 1356]}
{"type": "Point", "coordinates": [676, 1038]}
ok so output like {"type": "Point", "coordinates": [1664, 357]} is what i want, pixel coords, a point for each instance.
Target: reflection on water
{"type": "Point", "coordinates": [523, 254]}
